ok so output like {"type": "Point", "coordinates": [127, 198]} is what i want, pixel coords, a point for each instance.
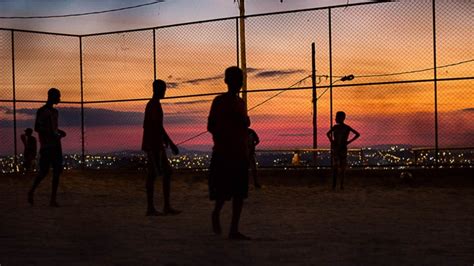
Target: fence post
{"type": "Point", "coordinates": [83, 153]}
{"type": "Point", "coordinates": [330, 74]}
{"type": "Point", "coordinates": [237, 40]}
{"type": "Point", "coordinates": [243, 53]}
{"type": "Point", "coordinates": [15, 145]}
{"type": "Point", "coordinates": [315, 103]}
{"type": "Point", "coordinates": [435, 76]}
{"type": "Point", "coordinates": [154, 54]}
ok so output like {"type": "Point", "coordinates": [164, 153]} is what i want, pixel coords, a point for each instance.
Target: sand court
{"type": "Point", "coordinates": [102, 221]}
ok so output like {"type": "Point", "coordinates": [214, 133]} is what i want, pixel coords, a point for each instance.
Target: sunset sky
{"type": "Point", "coordinates": [371, 39]}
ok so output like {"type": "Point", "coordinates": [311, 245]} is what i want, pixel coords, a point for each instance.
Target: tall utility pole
{"type": "Point", "coordinates": [243, 58]}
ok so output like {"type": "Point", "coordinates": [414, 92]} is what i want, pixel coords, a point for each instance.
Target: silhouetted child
{"type": "Point", "coordinates": [339, 137]}
{"type": "Point", "coordinates": [228, 176]}
{"type": "Point", "coordinates": [253, 141]}
{"type": "Point", "coordinates": [155, 140]}
{"type": "Point", "coordinates": [30, 151]}
{"type": "Point", "coordinates": [50, 136]}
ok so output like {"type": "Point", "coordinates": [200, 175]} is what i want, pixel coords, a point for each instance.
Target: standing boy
{"type": "Point", "coordinates": [155, 140]}
{"type": "Point", "coordinates": [228, 178]}
{"type": "Point", "coordinates": [338, 135]}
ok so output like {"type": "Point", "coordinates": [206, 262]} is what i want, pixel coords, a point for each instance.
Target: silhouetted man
{"type": "Point", "coordinates": [30, 151]}
{"type": "Point", "coordinates": [338, 135]}
{"type": "Point", "coordinates": [155, 140]}
{"type": "Point", "coordinates": [253, 141]}
{"type": "Point", "coordinates": [46, 125]}
{"type": "Point", "coordinates": [228, 178]}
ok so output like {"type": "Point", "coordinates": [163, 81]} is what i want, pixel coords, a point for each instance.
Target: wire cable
{"type": "Point", "coordinates": [325, 76]}
{"type": "Point", "coordinates": [86, 13]}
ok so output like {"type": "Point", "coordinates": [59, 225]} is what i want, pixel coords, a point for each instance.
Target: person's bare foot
{"type": "Point", "coordinates": [30, 198]}
{"type": "Point", "coordinates": [171, 211]}
{"type": "Point", "coordinates": [154, 213]}
{"type": "Point", "coordinates": [238, 236]}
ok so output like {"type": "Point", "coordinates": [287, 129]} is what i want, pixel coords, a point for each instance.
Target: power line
{"type": "Point", "coordinates": [414, 71]}
{"type": "Point", "coordinates": [86, 13]}
{"type": "Point", "coordinates": [325, 76]}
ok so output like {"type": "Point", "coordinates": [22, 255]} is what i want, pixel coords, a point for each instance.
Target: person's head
{"type": "Point", "coordinates": [28, 131]}
{"type": "Point", "coordinates": [340, 117]}
{"type": "Point", "coordinates": [234, 78]}
{"type": "Point", "coordinates": [159, 89]}
{"type": "Point", "coordinates": [54, 96]}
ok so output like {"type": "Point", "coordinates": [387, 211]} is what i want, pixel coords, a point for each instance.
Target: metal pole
{"type": "Point", "coordinates": [83, 149]}
{"type": "Point", "coordinates": [243, 58]}
{"type": "Point", "coordinates": [435, 75]}
{"type": "Point", "coordinates": [154, 54]}
{"type": "Point", "coordinates": [330, 72]}
{"type": "Point", "coordinates": [315, 102]}
{"type": "Point", "coordinates": [237, 40]}
{"type": "Point", "coordinates": [15, 144]}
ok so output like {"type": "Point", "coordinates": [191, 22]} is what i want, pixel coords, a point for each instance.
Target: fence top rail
{"type": "Point", "coordinates": [41, 32]}
{"type": "Point", "coordinates": [234, 17]}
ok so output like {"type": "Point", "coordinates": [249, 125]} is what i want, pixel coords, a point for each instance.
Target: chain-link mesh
{"type": "Point", "coordinates": [6, 90]}
{"type": "Point", "coordinates": [6, 108]}
{"type": "Point", "coordinates": [6, 129]}
{"type": "Point", "coordinates": [375, 40]}
{"type": "Point", "coordinates": [279, 48]}
{"type": "Point", "coordinates": [454, 38]}
{"type": "Point", "coordinates": [192, 58]}
{"type": "Point", "coordinates": [456, 113]}
{"type": "Point", "coordinates": [388, 43]}
{"type": "Point", "coordinates": [43, 61]}
{"type": "Point", "coordinates": [118, 66]}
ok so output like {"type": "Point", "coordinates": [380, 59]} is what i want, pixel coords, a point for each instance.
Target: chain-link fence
{"type": "Point", "coordinates": [411, 96]}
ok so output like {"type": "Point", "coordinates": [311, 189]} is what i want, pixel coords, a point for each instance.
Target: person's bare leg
{"type": "Point", "coordinates": [255, 177]}
{"type": "Point", "coordinates": [342, 173]}
{"type": "Point", "coordinates": [237, 205]}
{"type": "Point", "coordinates": [41, 175]}
{"type": "Point", "coordinates": [150, 191]}
{"type": "Point", "coordinates": [167, 209]}
{"type": "Point", "coordinates": [54, 188]}
{"type": "Point", "coordinates": [215, 217]}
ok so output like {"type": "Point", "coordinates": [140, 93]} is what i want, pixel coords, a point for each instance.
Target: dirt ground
{"type": "Point", "coordinates": [102, 221]}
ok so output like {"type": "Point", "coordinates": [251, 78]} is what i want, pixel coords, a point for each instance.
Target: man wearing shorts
{"type": "Point", "coordinates": [338, 135]}
{"type": "Point", "coordinates": [51, 154]}
{"type": "Point", "coordinates": [228, 178]}
{"type": "Point", "coordinates": [155, 140]}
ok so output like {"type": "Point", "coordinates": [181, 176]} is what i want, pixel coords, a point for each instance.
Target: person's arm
{"type": "Point", "coordinates": [329, 135]}
{"type": "Point", "coordinates": [257, 139]}
{"type": "Point", "coordinates": [23, 139]}
{"type": "Point", "coordinates": [356, 135]}
{"type": "Point", "coordinates": [169, 142]}
{"type": "Point", "coordinates": [211, 120]}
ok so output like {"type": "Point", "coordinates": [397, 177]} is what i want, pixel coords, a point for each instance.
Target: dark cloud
{"type": "Point", "coordinates": [172, 85]}
{"type": "Point", "coordinates": [257, 72]}
{"type": "Point", "coordinates": [201, 80]}
{"type": "Point", "coordinates": [186, 102]}
{"type": "Point", "coordinates": [277, 73]}
{"type": "Point", "coordinates": [468, 110]}
{"type": "Point", "coordinates": [94, 117]}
